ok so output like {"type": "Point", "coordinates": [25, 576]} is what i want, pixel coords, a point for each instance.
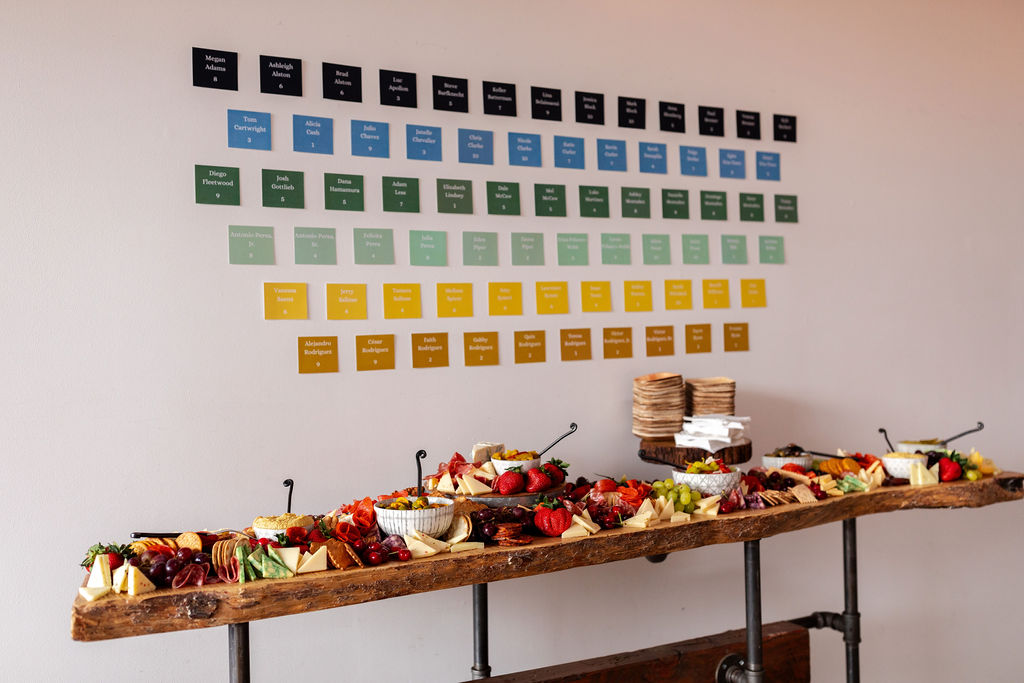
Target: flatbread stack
{"type": "Point", "coordinates": [711, 396]}
{"type": "Point", "coordinates": [659, 402]}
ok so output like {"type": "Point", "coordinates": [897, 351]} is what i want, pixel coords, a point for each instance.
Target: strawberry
{"type": "Point", "coordinates": [316, 535]}
{"type": "Point", "coordinates": [556, 469]}
{"type": "Point", "coordinates": [295, 534]}
{"type": "Point", "coordinates": [949, 470]}
{"type": "Point", "coordinates": [115, 560]}
{"type": "Point", "coordinates": [537, 480]}
{"type": "Point", "coordinates": [510, 483]}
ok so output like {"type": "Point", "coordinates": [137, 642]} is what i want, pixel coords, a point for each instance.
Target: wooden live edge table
{"type": "Point", "coordinates": [235, 605]}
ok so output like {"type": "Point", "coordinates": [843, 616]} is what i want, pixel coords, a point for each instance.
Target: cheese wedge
{"type": "Point", "coordinates": [587, 524]}
{"type": "Point", "coordinates": [434, 543]}
{"type": "Point", "coordinates": [647, 506]}
{"type": "Point", "coordinates": [667, 511]}
{"type": "Point", "coordinates": [138, 583]}
{"type": "Point", "coordinates": [934, 471]}
{"type": "Point", "coordinates": [482, 473]}
{"type": "Point", "coordinates": [418, 548]}
{"type": "Point", "coordinates": [680, 517]}
{"type": "Point", "coordinates": [255, 559]}
{"type": "Point", "coordinates": [289, 557]}
{"type": "Point", "coordinates": [575, 531]}
{"type": "Point", "coordinates": [488, 467]}
{"type": "Point", "coordinates": [586, 515]}
{"type": "Point", "coordinates": [640, 520]}
{"type": "Point", "coordinates": [460, 529]}
{"type": "Point", "coordinates": [485, 449]}
{"type": "Point", "coordinates": [466, 545]}
{"type": "Point", "coordinates": [317, 562]}
{"type": "Point", "coordinates": [707, 512]}
{"type": "Point", "coordinates": [474, 486]}
{"type": "Point", "coordinates": [120, 579]}
{"type": "Point", "coordinates": [91, 593]}
{"type": "Point", "coordinates": [272, 569]}
{"type": "Point", "coordinates": [445, 485]}
{"type": "Point", "coordinates": [705, 503]}
{"type": "Point", "coordinates": [99, 575]}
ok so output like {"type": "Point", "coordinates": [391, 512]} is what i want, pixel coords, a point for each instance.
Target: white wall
{"type": "Point", "coordinates": [142, 389]}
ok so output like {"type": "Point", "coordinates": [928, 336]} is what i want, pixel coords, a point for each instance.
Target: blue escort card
{"type": "Point", "coordinates": [693, 160]}
{"type": "Point", "coordinates": [523, 149]}
{"type": "Point", "coordinates": [248, 129]}
{"type": "Point", "coordinates": [568, 152]}
{"type": "Point", "coordinates": [732, 163]}
{"type": "Point", "coordinates": [611, 155]}
{"type": "Point", "coordinates": [653, 157]}
{"type": "Point", "coordinates": [370, 139]}
{"type": "Point", "coordinates": [313, 134]}
{"type": "Point", "coordinates": [423, 142]}
{"type": "Point", "coordinates": [476, 146]}
{"type": "Point", "coordinates": [768, 166]}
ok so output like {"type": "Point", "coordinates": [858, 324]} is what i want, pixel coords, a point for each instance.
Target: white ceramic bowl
{"type": "Point", "coordinates": [430, 521]}
{"type": "Point", "coordinates": [503, 466]}
{"type": "Point", "coordinates": [713, 484]}
{"type": "Point", "coordinates": [900, 467]}
{"type": "Point", "coordinates": [780, 460]}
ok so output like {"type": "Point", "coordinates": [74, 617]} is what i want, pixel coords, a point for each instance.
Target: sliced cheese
{"type": "Point", "coordinates": [647, 506]}
{"type": "Point", "coordinates": [434, 543]}
{"type": "Point", "coordinates": [466, 545]}
{"type": "Point", "coordinates": [667, 511]}
{"type": "Point", "coordinates": [488, 467]}
{"type": "Point", "coordinates": [255, 559]}
{"type": "Point", "coordinates": [289, 557]}
{"type": "Point", "coordinates": [485, 449]}
{"type": "Point", "coordinates": [317, 562]}
{"type": "Point", "coordinates": [445, 485]}
{"type": "Point", "coordinates": [640, 520]}
{"type": "Point", "coordinates": [460, 529]}
{"type": "Point", "coordinates": [120, 579]}
{"type": "Point", "coordinates": [706, 503]}
{"type": "Point", "coordinates": [680, 517]}
{"type": "Point", "coordinates": [934, 471]}
{"type": "Point", "coordinates": [481, 473]}
{"type": "Point", "coordinates": [99, 575]}
{"type": "Point", "coordinates": [586, 523]}
{"type": "Point", "coordinates": [138, 583]}
{"type": "Point", "coordinates": [272, 569]}
{"type": "Point", "coordinates": [575, 531]}
{"type": "Point", "coordinates": [586, 515]}
{"type": "Point", "coordinates": [707, 512]}
{"type": "Point", "coordinates": [474, 486]}
{"type": "Point", "coordinates": [91, 593]}
{"type": "Point", "coordinates": [418, 548]}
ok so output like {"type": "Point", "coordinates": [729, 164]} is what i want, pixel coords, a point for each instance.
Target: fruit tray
{"type": "Point", "coordinates": [665, 452]}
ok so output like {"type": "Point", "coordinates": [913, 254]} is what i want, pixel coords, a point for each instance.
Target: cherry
{"type": "Point", "coordinates": [359, 545]}
{"type": "Point", "coordinates": [375, 557]}
{"type": "Point", "coordinates": [375, 547]}
{"type": "Point", "coordinates": [404, 555]}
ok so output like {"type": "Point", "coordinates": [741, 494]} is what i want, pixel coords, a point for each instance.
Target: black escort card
{"type": "Point", "coordinates": [281, 75]}
{"type": "Point", "coordinates": [672, 116]}
{"type": "Point", "coordinates": [546, 103]}
{"type": "Point", "coordinates": [632, 112]}
{"type": "Point", "coordinates": [343, 82]}
{"type": "Point", "coordinates": [398, 88]}
{"type": "Point", "coordinates": [499, 98]}
{"type": "Point", "coordinates": [748, 125]}
{"type": "Point", "coordinates": [451, 94]}
{"type": "Point", "coordinates": [711, 121]}
{"type": "Point", "coordinates": [214, 69]}
{"type": "Point", "coordinates": [589, 107]}
{"type": "Point", "coordinates": [785, 128]}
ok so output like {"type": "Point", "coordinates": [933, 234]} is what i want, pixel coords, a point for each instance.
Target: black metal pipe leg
{"type": "Point", "coordinates": [481, 668]}
{"type": "Point", "coordinates": [851, 615]}
{"type": "Point", "coordinates": [238, 653]}
{"type": "Point", "coordinates": [754, 663]}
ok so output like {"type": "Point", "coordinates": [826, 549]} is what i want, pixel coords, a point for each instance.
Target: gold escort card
{"type": "Point", "coordinates": [454, 300]}
{"type": "Point", "coordinates": [318, 354]}
{"type": "Point", "coordinates": [430, 350]}
{"type": "Point", "coordinates": [346, 302]}
{"type": "Point", "coordinates": [698, 338]}
{"type": "Point", "coordinates": [575, 344]}
{"type": "Point", "coordinates": [375, 352]}
{"type": "Point", "coordinates": [530, 346]}
{"type": "Point", "coordinates": [618, 342]}
{"type": "Point", "coordinates": [660, 341]}
{"type": "Point", "coordinates": [678, 295]}
{"type": "Point", "coordinates": [737, 336]}
{"type": "Point", "coordinates": [481, 348]}
{"type": "Point", "coordinates": [284, 301]}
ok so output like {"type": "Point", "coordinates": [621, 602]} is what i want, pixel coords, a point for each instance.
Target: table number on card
{"type": "Point", "coordinates": [618, 342]}
{"type": "Point", "coordinates": [454, 300]}
{"type": "Point", "coordinates": [505, 298]}
{"type": "Point", "coordinates": [737, 336]}
{"type": "Point", "coordinates": [343, 192]}
{"type": "Point", "coordinates": [217, 185]}
{"type": "Point", "coordinates": [346, 301]}
{"type": "Point", "coordinates": [283, 189]}
{"type": "Point", "coordinates": [530, 346]}
{"type": "Point", "coordinates": [318, 354]}
{"type": "Point", "coordinates": [375, 352]}
{"type": "Point", "coordinates": [716, 293]}
{"type": "Point", "coordinates": [660, 340]}
{"type": "Point", "coordinates": [250, 245]}
{"type": "Point", "coordinates": [678, 295]}
{"type": "Point", "coordinates": [575, 344]}
{"type": "Point", "coordinates": [315, 246]}
{"type": "Point", "coordinates": [480, 348]}
{"type": "Point", "coordinates": [503, 198]}
{"type": "Point", "coordinates": [596, 297]}
{"type": "Point", "coordinates": [698, 338]}
{"type": "Point", "coordinates": [430, 350]}
{"type": "Point", "coordinates": [284, 301]}
{"type": "Point", "coordinates": [752, 293]}
{"type": "Point", "coordinates": [552, 298]}
{"type": "Point", "coordinates": [638, 296]}
{"type": "Point", "coordinates": [402, 301]}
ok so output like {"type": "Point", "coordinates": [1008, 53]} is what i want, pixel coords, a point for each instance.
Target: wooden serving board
{"type": "Point", "coordinates": [120, 616]}
{"type": "Point", "coordinates": [666, 449]}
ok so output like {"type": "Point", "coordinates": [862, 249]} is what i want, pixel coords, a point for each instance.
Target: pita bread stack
{"type": "Point", "coordinates": [659, 402]}
{"type": "Point", "coordinates": [711, 396]}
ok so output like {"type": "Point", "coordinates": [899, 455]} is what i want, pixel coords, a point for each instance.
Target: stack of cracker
{"type": "Point", "coordinates": [659, 402]}
{"type": "Point", "coordinates": [710, 396]}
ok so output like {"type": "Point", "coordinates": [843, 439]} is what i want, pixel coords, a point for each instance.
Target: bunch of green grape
{"type": "Point", "coordinates": [684, 499]}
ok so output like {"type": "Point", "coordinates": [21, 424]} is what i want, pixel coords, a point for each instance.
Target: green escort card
{"type": "Point", "coordinates": [373, 246]}
{"type": "Point", "coordinates": [549, 200]}
{"type": "Point", "coordinates": [615, 249]}
{"type": "Point", "coordinates": [428, 248]}
{"type": "Point", "coordinates": [712, 206]}
{"type": "Point", "coordinates": [636, 202]}
{"type": "Point", "coordinates": [594, 202]}
{"type": "Point", "coordinates": [527, 249]}
{"type": "Point", "coordinates": [751, 207]}
{"type": "Point", "coordinates": [315, 246]}
{"type": "Point", "coordinates": [454, 196]}
{"type": "Point", "coordinates": [343, 192]}
{"type": "Point", "coordinates": [217, 185]}
{"type": "Point", "coordinates": [503, 199]}
{"type": "Point", "coordinates": [771, 249]}
{"type": "Point", "coordinates": [657, 250]}
{"type": "Point", "coordinates": [675, 203]}
{"type": "Point", "coordinates": [695, 250]}
{"type": "Point", "coordinates": [401, 194]}
{"type": "Point", "coordinates": [284, 189]}
{"type": "Point", "coordinates": [734, 249]}
{"type": "Point", "coordinates": [785, 208]}
{"type": "Point", "coordinates": [479, 248]}
{"type": "Point", "coordinates": [250, 245]}
{"type": "Point", "coordinates": [572, 249]}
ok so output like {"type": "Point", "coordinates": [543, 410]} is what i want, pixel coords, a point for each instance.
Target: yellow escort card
{"type": "Point", "coordinates": [375, 352]}
{"type": "Point", "coordinates": [576, 344]}
{"type": "Point", "coordinates": [716, 294]}
{"type": "Point", "coordinates": [552, 297]}
{"type": "Point", "coordinates": [481, 348]}
{"type": "Point", "coordinates": [596, 297]}
{"type": "Point", "coordinates": [531, 346]}
{"type": "Point", "coordinates": [346, 302]}
{"type": "Point", "coordinates": [505, 298]}
{"type": "Point", "coordinates": [284, 301]}
{"type": "Point", "coordinates": [454, 300]}
{"type": "Point", "coordinates": [637, 294]}
{"type": "Point", "coordinates": [618, 342]}
{"type": "Point", "coordinates": [318, 354]}
{"type": "Point", "coordinates": [661, 341]}
{"type": "Point", "coordinates": [737, 336]}
{"type": "Point", "coordinates": [402, 301]}
{"type": "Point", "coordinates": [678, 295]}
{"type": "Point", "coordinates": [430, 350]}
{"type": "Point", "coordinates": [752, 294]}
{"type": "Point", "coordinates": [698, 338]}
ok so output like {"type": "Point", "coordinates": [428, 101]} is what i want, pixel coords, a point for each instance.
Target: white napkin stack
{"type": "Point", "coordinates": [712, 432]}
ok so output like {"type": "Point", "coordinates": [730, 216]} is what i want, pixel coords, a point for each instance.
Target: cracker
{"type": "Point", "coordinates": [190, 540]}
{"type": "Point", "coordinates": [338, 554]}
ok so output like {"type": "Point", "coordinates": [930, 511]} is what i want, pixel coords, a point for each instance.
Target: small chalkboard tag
{"type": "Point", "coordinates": [590, 107]}
{"type": "Point", "coordinates": [711, 121]}
{"type": "Point", "coordinates": [451, 94]}
{"type": "Point", "coordinates": [748, 125]}
{"type": "Point", "coordinates": [632, 112]}
{"type": "Point", "coordinates": [499, 98]}
{"type": "Point", "coordinates": [280, 76]}
{"type": "Point", "coordinates": [546, 103]}
{"type": "Point", "coordinates": [214, 69]}
{"type": "Point", "coordinates": [672, 117]}
{"type": "Point", "coordinates": [342, 82]}
{"type": "Point", "coordinates": [398, 88]}
{"type": "Point", "coordinates": [785, 128]}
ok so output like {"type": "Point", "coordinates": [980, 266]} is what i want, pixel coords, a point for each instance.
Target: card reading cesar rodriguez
{"type": "Point", "coordinates": [375, 352]}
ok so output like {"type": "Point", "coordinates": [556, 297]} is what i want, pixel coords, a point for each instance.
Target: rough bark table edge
{"type": "Point", "coordinates": [121, 616]}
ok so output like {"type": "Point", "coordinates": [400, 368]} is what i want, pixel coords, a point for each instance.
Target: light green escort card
{"type": "Point", "coordinates": [675, 203]}
{"type": "Point", "coordinates": [343, 192]}
{"type": "Point", "coordinates": [283, 189]}
{"type": "Point", "coordinates": [594, 201]}
{"type": "Point", "coordinates": [549, 200]}
{"type": "Point", "coordinates": [712, 206]}
{"type": "Point", "coordinates": [772, 249]}
{"type": "Point", "coordinates": [657, 250]}
{"type": "Point", "coordinates": [217, 185]}
{"type": "Point", "coordinates": [428, 248]}
{"type": "Point", "coordinates": [734, 249]}
{"type": "Point", "coordinates": [315, 246]}
{"type": "Point", "coordinates": [751, 207]}
{"type": "Point", "coordinates": [250, 245]}
{"type": "Point", "coordinates": [695, 250]}
{"type": "Point", "coordinates": [479, 248]}
{"type": "Point", "coordinates": [636, 202]}
{"type": "Point", "coordinates": [373, 246]}
{"type": "Point", "coordinates": [503, 199]}
{"type": "Point", "coordinates": [527, 249]}
{"type": "Point", "coordinates": [454, 196]}
{"type": "Point", "coordinates": [572, 249]}
{"type": "Point", "coordinates": [785, 208]}
{"type": "Point", "coordinates": [401, 194]}
{"type": "Point", "coordinates": [615, 249]}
